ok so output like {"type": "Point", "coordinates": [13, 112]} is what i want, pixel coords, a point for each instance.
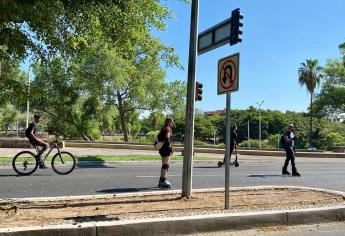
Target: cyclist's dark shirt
{"type": "Point", "coordinates": [32, 127]}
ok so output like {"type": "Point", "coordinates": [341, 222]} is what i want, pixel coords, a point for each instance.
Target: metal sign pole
{"type": "Point", "coordinates": [189, 125]}
{"type": "Point", "coordinates": [227, 154]}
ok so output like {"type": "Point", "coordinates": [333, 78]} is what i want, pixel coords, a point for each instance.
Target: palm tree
{"type": "Point", "coordinates": [310, 74]}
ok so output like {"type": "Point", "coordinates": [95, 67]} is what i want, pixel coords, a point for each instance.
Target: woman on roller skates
{"type": "Point", "coordinates": [165, 151]}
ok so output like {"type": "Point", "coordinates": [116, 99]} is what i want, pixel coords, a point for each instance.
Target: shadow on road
{"type": "Point", "coordinates": [206, 167]}
{"type": "Point", "coordinates": [92, 165]}
{"type": "Point", "coordinates": [80, 219]}
{"type": "Point", "coordinates": [126, 190]}
{"type": "Point", "coordinates": [91, 162]}
{"type": "Point", "coordinates": [263, 176]}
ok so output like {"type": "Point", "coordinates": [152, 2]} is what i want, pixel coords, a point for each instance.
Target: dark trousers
{"type": "Point", "coordinates": [231, 149]}
{"type": "Point", "coordinates": [290, 155]}
{"type": "Point", "coordinates": [44, 146]}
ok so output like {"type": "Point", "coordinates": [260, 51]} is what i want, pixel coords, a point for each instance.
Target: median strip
{"type": "Point", "coordinates": [149, 213]}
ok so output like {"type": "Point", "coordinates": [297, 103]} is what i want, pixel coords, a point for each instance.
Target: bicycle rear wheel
{"type": "Point", "coordinates": [63, 163]}
{"type": "Point", "coordinates": [25, 163]}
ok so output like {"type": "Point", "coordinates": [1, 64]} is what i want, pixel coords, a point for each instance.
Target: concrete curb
{"type": "Point", "coordinates": [184, 225]}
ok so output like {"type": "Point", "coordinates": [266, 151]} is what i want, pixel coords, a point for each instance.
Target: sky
{"type": "Point", "coordinates": [278, 35]}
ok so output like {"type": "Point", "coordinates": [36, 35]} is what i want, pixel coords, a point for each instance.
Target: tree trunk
{"type": "Point", "coordinates": [122, 117]}
{"type": "Point", "coordinates": [84, 136]}
{"type": "Point", "coordinates": [311, 120]}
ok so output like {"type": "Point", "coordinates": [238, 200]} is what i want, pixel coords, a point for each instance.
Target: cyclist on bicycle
{"type": "Point", "coordinates": [30, 133]}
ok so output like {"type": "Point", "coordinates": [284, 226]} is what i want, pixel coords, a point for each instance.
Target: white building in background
{"type": "Point", "coordinates": [336, 117]}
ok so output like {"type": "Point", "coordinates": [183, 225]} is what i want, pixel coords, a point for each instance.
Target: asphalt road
{"type": "Point", "coordinates": [119, 177]}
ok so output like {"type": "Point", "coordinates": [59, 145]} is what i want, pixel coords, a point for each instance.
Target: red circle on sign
{"type": "Point", "coordinates": [222, 71]}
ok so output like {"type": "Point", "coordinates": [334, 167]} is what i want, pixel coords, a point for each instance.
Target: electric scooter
{"type": "Point", "coordinates": [234, 163]}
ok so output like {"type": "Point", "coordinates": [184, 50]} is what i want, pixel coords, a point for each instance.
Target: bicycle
{"type": "Point", "coordinates": [26, 162]}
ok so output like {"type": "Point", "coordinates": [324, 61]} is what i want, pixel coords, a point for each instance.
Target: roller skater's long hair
{"type": "Point", "coordinates": [167, 121]}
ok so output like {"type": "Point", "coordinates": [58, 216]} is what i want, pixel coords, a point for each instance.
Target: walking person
{"type": "Point", "coordinates": [165, 151]}
{"type": "Point", "coordinates": [30, 133]}
{"type": "Point", "coordinates": [233, 143]}
{"type": "Point", "coordinates": [289, 147]}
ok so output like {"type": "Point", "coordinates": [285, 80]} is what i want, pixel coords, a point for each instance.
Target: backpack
{"type": "Point", "coordinates": [282, 140]}
{"type": "Point", "coordinates": [28, 131]}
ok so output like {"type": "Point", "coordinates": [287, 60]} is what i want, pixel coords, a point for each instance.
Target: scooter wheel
{"type": "Point", "coordinates": [220, 164]}
{"type": "Point", "coordinates": [237, 164]}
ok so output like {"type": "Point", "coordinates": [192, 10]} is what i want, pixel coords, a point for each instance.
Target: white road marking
{"type": "Point", "coordinates": [148, 176]}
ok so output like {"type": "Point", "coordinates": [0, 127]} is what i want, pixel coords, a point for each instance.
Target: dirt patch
{"type": "Point", "coordinates": [121, 208]}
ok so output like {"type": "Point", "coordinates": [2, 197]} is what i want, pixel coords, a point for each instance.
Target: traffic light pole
{"type": "Point", "coordinates": [189, 124]}
{"type": "Point", "coordinates": [227, 153]}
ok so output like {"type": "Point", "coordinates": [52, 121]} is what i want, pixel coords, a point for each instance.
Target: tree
{"type": "Point", "coordinates": [13, 86]}
{"type": "Point", "coordinates": [153, 122]}
{"type": "Point", "coordinates": [8, 115]}
{"type": "Point", "coordinates": [309, 74]}
{"type": "Point", "coordinates": [65, 36]}
{"type": "Point", "coordinates": [203, 126]}
{"type": "Point", "coordinates": [81, 91]}
{"type": "Point", "coordinates": [129, 85]}
{"type": "Point", "coordinates": [71, 110]}
{"type": "Point", "coordinates": [47, 29]}
{"type": "Point", "coordinates": [330, 102]}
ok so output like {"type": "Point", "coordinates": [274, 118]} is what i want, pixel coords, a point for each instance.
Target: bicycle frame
{"type": "Point", "coordinates": [52, 146]}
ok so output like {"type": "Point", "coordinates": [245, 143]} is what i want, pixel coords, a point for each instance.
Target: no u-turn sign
{"type": "Point", "coordinates": [228, 71]}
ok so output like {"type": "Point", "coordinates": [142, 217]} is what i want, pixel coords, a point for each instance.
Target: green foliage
{"type": "Point", "coordinates": [254, 143]}
{"type": "Point", "coordinates": [48, 28]}
{"type": "Point", "coordinates": [200, 143]}
{"type": "Point", "coordinates": [274, 140]}
{"type": "Point", "coordinates": [333, 139]}
{"type": "Point", "coordinates": [309, 74]}
{"type": "Point", "coordinates": [150, 137]}
{"type": "Point", "coordinates": [8, 116]}
{"type": "Point", "coordinates": [94, 56]}
{"type": "Point", "coordinates": [13, 85]}
{"type": "Point", "coordinates": [175, 99]}
{"type": "Point", "coordinates": [203, 127]}
{"type": "Point", "coordinates": [330, 102]}
{"type": "Point", "coordinates": [153, 122]}
{"type": "Point", "coordinates": [71, 113]}
{"type": "Point", "coordinates": [110, 139]}
{"type": "Point", "coordinates": [218, 123]}
{"type": "Point", "coordinates": [130, 85]}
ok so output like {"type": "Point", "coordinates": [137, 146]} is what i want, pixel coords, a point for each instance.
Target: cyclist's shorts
{"type": "Point", "coordinates": [35, 143]}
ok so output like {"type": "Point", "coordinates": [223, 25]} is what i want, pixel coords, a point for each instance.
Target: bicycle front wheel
{"type": "Point", "coordinates": [63, 163]}
{"type": "Point", "coordinates": [25, 163]}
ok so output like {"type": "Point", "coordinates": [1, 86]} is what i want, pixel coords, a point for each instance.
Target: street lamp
{"type": "Point", "coordinates": [214, 137]}
{"type": "Point", "coordinates": [27, 101]}
{"type": "Point", "coordinates": [259, 106]}
{"type": "Point", "coordinates": [248, 134]}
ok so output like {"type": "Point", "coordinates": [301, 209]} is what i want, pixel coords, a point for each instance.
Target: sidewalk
{"type": "Point", "coordinates": [166, 213]}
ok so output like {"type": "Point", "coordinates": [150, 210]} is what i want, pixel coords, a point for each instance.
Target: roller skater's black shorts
{"type": "Point", "coordinates": [165, 151]}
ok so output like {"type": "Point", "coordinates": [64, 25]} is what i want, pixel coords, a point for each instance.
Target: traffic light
{"type": "Point", "coordinates": [198, 91]}
{"type": "Point", "coordinates": [236, 27]}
